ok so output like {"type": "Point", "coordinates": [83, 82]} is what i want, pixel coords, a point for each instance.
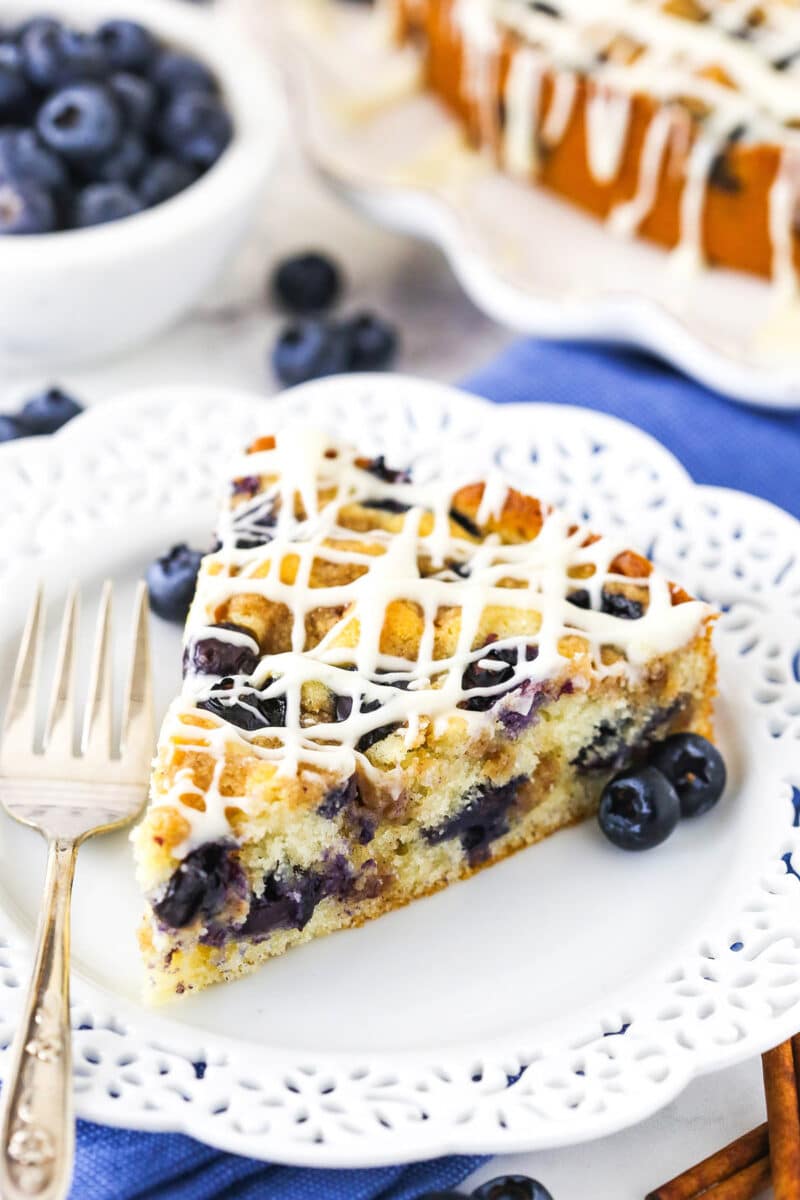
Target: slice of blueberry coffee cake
{"type": "Point", "coordinates": [389, 686]}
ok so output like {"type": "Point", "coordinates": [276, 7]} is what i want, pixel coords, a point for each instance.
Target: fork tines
{"type": "Point", "coordinates": [17, 746]}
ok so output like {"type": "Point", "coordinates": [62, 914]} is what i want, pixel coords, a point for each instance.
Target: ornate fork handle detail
{"type": "Point", "coordinates": [38, 1127]}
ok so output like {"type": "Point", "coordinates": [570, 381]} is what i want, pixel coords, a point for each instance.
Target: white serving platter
{"type": "Point", "coordinates": [570, 991]}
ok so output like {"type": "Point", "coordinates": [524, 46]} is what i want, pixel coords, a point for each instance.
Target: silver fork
{"type": "Point", "coordinates": [67, 797]}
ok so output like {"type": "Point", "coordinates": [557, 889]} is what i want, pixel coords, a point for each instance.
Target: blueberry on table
{"type": "Point", "coordinates": [639, 809]}
{"type": "Point", "coordinates": [173, 72]}
{"type": "Point", "coordinates": [137, 99]}
{"type": "Point", "coordinates": [373, 342]}
{"type": "Point", "coordinates": [512, 1187]}
{"type": "Point", "coordinates": [695, 768]}
{"type": "Point", "coordinates": [171, 581]}
{"type": "Point", "coordinates": [309, 350]}
{"type": "Point", "coordinates": [307, 283]}
{"type": "Point", "coordinates": [25, 208]}
{"type": "Point", "coordinates": [99, 203]}
{"type": "Point", "coordinates": [23, 157]}
{"type": "Point", "coordinates": [196, 128]}
{"type": "Point", "coordinates": [127, 44]}
{"type": "Point", "coordinates": [10, 429]}
{"type": "Point", "coordinates": [80, 122]}
{"type": "Point", "coordinates": [124, 164]}
{"type": "Point", "coordinates": [48, 411]}
{"type": "Point", "coordinates": [162, 179]}
{"type": "Point", "coordinates": [54, 56]}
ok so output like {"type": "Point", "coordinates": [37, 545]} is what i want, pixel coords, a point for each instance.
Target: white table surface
{"type": "Point", "coordinates": [444, 337]}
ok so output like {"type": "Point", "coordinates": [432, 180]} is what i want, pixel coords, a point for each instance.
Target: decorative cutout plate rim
{"type": "Point", "coordinates": [625, 314]}
{"type": "Point", "coordinates": [731, 988]}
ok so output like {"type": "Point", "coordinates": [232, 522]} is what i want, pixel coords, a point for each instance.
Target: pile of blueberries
{"type": "Point", "coordinates": [315, 344]}
{"type": "Point", "coordinates": [683, 776]}
{"type": "Point", "coordinates": [505, 1187]}
{"type": "Point", "coordinates": [101, 125]}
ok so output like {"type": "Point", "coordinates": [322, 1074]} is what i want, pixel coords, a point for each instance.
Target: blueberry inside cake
{"type": "Point", "coordinates": [389, 686]}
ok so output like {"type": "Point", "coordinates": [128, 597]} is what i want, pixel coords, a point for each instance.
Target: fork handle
{"type": "Point", "coordinates": [38, 1127]}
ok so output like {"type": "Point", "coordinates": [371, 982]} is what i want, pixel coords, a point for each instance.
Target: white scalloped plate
{"type": "Point", "coordinates": [566, 993]}
{"type": "Point", "coordinates": [530, 260]}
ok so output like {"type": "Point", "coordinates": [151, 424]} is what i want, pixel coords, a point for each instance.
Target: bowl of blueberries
{"type": "Point", "coordinates": [135, 153]}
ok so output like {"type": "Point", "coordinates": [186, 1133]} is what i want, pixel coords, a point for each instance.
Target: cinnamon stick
{"type": "Point", "coordinates": [747, 1153]}
{"type": "Point", "coordinates": [783, 1117]}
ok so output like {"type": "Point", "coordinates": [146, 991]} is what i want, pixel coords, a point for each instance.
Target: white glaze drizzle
{"type": "Point", "coordinates": [608, 118]}
{"type": "Point", "coordinates": [522, 101]}
{"type": "Point", "coordinates": [543, 568]}
{"type": "Point", "coordinates": [626, 218]}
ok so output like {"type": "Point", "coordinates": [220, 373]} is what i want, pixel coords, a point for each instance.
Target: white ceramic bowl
{"type": "Point", "coordinates": [78, 295]}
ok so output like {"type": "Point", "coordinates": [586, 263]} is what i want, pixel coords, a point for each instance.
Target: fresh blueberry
{"type": "Point", "coordinates": [372, 341]}
{"type": "Point", "coordinates": [24, 158]}
{"type": "Point", "coordinates": [25, 208]}
{"type": "Point", "coordinates": [137, 99]}
{"type": "Point", "coordinates": [512, 1187]}
{"type": "Point", "coordinates": [308, 350]}
{"type": "Point", "coordinates": [217, 656]}
{"type": "Point", "coordinates": [54, 56]}
{"type": "Point", "coordinates": [196, 128]}
{"type": "Point", "coordinates": [10, 429]}
{"type": "Point", "coordinates": [307, 282]}
{"type": "Point", "coordinates": [127, 44]}
{"type": "Point", "coordinates": [171, 581]}
{"type": "Point", "coordinates": [124, 164]}
{"type": "Point", "coordinates": [174, 72]}
{"type": "Point", "coordinates": [13, 82]}
{"type": "Point", "coordinates": [99, 203]}
{"type": "Point", "coordinates": [639, 809]}
{"type": "Point", "coordinates": [163, 178]}
{"type": "Point", "coordinates": [81, 122]}
{"type": "Point", "coordinates": [48, 411]}
{"type": "Point", "coordinates": [695, 768]}
{"type": "Point", "coordinates": [25, 27]}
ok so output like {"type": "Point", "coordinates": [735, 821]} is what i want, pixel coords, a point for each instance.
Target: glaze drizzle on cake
{"type": "Point", "coordinates": [378, 676]}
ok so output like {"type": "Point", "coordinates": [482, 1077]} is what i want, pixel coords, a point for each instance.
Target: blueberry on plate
{"type": "Point", "coordinates": [48, 411]}
{"type": "Point", "coordinates": [125, 162]}
{"type": "Point", "coordinates": [373, 342]}
{"type": "Point", "coordinates": [100, 203]}
{"type": "Point", "coordinates": [23, 157]}
{"type": "Point", "coordinates": [173, 72]}
{"type": "Point", "coordinates": [137, 99]}
{"type": "Point", "coordinates": [639, 809]}
{"type": "Point", "coordinates": [695, 768]}
{"type": "Point", "coordinates": [10, 429]}
{"type": "Point", "coordinates": [163, 178]}
{"type": "Point", "coordinates": [19, 31]}
{"type": "Point", "coordinates": [196, 128]}
{"type": "Point", "coordinates": [512, 1187]}
{"type": "Point", "coordinates": [171, 581]}
{"type": "Point", "coordinates": [307, 283]}
{"type": "Point", "coordinates": [54, 56]}
{"type": "Point", "coordinates": [309, 350]}
{"type": "Point", "coordinates": [127, 44]}
{"type": "Point", "coordinates": [81, 122]}
{"type": "Point", "coordinates": [25, 208]}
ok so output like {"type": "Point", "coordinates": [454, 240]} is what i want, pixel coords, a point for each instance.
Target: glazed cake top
{"type": "Point", "coordinates": [737, 60]}
{"type": "Point", "coordinates": [345, 602]}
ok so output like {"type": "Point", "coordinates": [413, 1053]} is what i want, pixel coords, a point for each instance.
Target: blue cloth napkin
{"type": "Point", "coordinates": [719, 443]}
{"type": "Point", "coordinates": [752, 449]}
